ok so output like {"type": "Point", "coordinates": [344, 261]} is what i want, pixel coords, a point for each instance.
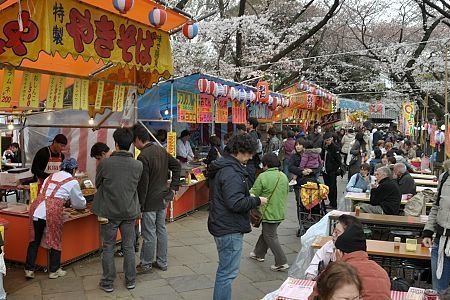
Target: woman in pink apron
{"type": "Point", "coordinates": [46, 214]}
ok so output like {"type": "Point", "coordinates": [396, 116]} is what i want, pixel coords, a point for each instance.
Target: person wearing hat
{"type": "Point", "coordinates": [48, 159]}
{"type": "Point", "coordinates": [351, 248]}
{"type": "Point", "coordinates": [46, 214]}
{"type": "Point", "coordinates": [184, 150]}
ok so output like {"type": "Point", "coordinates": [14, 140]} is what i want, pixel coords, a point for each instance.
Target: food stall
{"type": "Point", "coordinates": [309, 103]}
{"type": "Point", "coordinates": [204, 105]}
{"type": "Point", "coordinates": [75, 67]}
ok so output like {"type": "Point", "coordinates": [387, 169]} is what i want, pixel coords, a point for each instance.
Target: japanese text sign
{"type": "Point", "coordinates": [72, 27]}
{"type": "Point", "coordinates": [238, 113]}
{"type": "Point", "coordinates": [222, 110]}
{"type": "Point", "coordinates": [29, 92]}
{"type": "Point", "coordinates": [186, 107]}
{"type": "Point", "coordinates": [172, 143]}
{"type": "Point", "coordinates": [205, 108]}
{"type": "Point", "coordinates": [7, 88]}
{"type": "Point", "coordinates": [260, 112]}
{"type": "Point", "coordinates": [118, 98]}
{"type": "Point", "coordinates": [198, 173]}
{"type": "Point", "coordinates": [408, 118]}
{"type": "Point", "coordinates": [262, 91]}
{"type": "Point", "coordinates": [55, 94]}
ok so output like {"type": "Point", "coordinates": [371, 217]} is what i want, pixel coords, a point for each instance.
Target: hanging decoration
{"type": "Point", "coordinates": [157, 17]}
{"type": "Point", "coordinates": [232, 94]}
{"type": "Point", "coordinates": [251, 96]}
{"type": "Point", "coordinates": [123, 6]}
{"type": "Point", "coordinates": [226, 90]}
{"type": "Point", "coordinates": [218, 90]}
{"type": "Point", "coordinates": [242, 95]}
{"type": "Point", "coordinates": [262, 91]}
{"type": "Point", "coordinates": [190, 30]}
{"type": "Point", "coordinates": [439, 138]}
{"type": "Point", "coordinates": [202, 85]}
{"type": "Point", "coordinates": [210, 87]}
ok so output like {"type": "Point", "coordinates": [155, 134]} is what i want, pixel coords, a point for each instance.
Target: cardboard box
{"type": "Point", "coordinates": [13, 179]}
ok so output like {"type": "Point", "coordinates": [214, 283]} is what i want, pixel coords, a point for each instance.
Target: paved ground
{"type": "Point", "coordinates": [192, 266]}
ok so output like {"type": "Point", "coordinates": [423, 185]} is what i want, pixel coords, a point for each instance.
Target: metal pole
{"type": "Point", "coordinates": [446, 98]}
{"type": "Point", "coordinates": [171, 106]}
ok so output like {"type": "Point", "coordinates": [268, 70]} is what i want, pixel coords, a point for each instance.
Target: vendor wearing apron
{"type": "Point", "coordinates": [46, 213]}
{"type": "Point", "coordinates": [184, 150]}
{"type": "Point", "coordinates": [48, 159]}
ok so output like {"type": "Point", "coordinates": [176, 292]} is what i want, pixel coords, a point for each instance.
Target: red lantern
{"type": "Point", "coordinates": [262, 91]}
{"type": "Point", "coordinates": [202, 85]}
{"type": "Point", "coordinates": [123, 6]}
{"type": "Point", "coordinates": [210, 87]}
{"type": "Point", "coordinates": [190, 30]}
{"type": "Point", "coordinates": [226, 90]}
{"type": "Point", "coordinates": [157, 17]}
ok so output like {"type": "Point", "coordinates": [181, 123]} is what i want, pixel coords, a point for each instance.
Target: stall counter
{"type": "Point", "coordinates": [80, 236]}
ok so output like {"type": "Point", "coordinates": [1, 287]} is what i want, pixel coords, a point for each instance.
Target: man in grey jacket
{"type": "Point", "coordinates": [117, 200]}
{"type": "Point", "coordinates": [154, 195]}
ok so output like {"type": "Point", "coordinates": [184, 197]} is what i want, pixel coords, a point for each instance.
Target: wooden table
{"type": "Point", "coordinates": [386, 220]}
{"type": "Point", "coordinates": [422, 188]}
{"type": "Point", "coordinates": [426, 182]}
{"type": "Point", "coordinates": [362, 197]}
{"type": "Point", "coordinates": [383, 248]}
{"type": "Point", "coordinates": [422, 172]}
{"type": "Point", "coordinates": [423, 176]}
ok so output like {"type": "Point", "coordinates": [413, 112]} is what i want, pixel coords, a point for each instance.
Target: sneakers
{"type": "Point", "coordinates": [106, 287]}
{"type": "Point", "coordinates": [293, 182]}
{"type": "Point", "coordinates": [253, 256]}
{"type": "Point", "coordinates": [279, 268]}
{"type": "Point", "coordinates": [59, 273]}
{"type": "Point", "coordinates": [131, 285]}
{"type": "Point", "coordinates": [29, 274]}
{"type": "Point", "coordinates": [118, 253]}
{"type": "Point", "coordinates": [157, 266]}
{"type": "Point", "coordinates": [140, 269]}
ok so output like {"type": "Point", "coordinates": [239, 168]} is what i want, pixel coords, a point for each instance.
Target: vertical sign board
{"type": "Point", "coordinates": [205, 109]}
{"type": "Point", "coordinates": [186, 107]}
{"type": "Point", "coordinates": [172, 143]}
{"type": "Point", "coordinates": [7, 89]}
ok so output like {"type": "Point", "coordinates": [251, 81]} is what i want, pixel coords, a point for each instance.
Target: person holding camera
{"type": "Point", "coordinates": [331, 158]}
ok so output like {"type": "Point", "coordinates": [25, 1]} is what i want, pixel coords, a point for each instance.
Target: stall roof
{"type": "Point", "coordinates": [156, 99]}
{"type": "Point", "coordinates": [139, 12]}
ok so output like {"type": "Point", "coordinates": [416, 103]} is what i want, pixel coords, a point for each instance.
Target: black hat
{"type": "Point", "coordinates": [60, 139]}
{"type": "Point", "coordinates": [352, 239]}
{"type": "Point", "coordinates": [184, 133]}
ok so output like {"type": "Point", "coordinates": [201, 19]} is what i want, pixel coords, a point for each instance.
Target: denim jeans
{"type": "Point", "coordinates": [109, 234]}
{"type": "Point", "coordinates": [229, 248]}
{"type": "Point", "coordinates": [286, 167]}
{"type": "Point", "coordinates": [154, 235]}
{"type": "Point", "coordinates": [440, 285]}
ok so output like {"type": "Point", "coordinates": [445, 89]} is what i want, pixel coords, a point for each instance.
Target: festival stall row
{"type": "Point", "coordinates": [204, 105]}
{"type": "Point", "coordinates": [69, 67]}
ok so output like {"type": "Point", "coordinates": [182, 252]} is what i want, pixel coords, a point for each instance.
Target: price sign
{"type": "Point", "coordinates": [7, 90]}
{"type": "Point", "coordinates": [29, 92]}
{"type": "Point", "coordinates": [222, 110]}
{"type": "Point", "coordinates": [99, 95]}
{"type": "Point", "coordinates": [172, 143]}
{"type": "Point", "coordinates": [186, 107]}
{"type": "Point", "coordinates": [205, 109]}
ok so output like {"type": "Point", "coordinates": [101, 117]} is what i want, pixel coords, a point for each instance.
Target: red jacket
{"type": "Point", "coordinates": [375, 280]}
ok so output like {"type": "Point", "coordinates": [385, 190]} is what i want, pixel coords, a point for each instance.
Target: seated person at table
{"type": "Point", "coordinates": [377, 160]}
{"type": "Point", "coordinates": [410, 150]}
{"type": "Point", "coordinates": [383, 163]}
{"type": "Point", "coordinates": [339, 281]}
{"type": "Point", "coordinates": [325, 255]}
{"type": "Point", "coordinates": [384, 198]}
{"type": "Point", "coordinates": [361, 182]}
{"type": "Point", "coordinates": [351, 248]}
{"type": "Point", "coordinates": [12, 154]}
{"type": "Point", "coordinates": [400, 158]}
{"type": "Point", "coordinates": [404, 179]}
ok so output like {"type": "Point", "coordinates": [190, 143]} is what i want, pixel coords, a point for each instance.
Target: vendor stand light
{"type": "Point", "coordinates": [166, 111]}
{"type": "Point", "coordinates": [91, 121]}
{"type": "Point", "coordinates": [11, 125]}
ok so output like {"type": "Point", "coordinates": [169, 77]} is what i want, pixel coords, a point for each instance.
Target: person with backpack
{"type": "Point", "coordinates": [439, 225]}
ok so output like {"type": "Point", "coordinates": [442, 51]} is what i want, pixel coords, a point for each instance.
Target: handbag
{"type": "Point", "coordinates": [255, 215]}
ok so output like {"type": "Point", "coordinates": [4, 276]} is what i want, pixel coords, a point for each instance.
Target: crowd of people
{"type": "Point", "coordinates": [244, 176]}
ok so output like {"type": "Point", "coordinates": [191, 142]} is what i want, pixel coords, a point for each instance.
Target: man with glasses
{"type": "Point", "coordinates": [385, 195]}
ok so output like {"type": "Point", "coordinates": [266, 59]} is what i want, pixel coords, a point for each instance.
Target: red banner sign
{"type": "Point", "coordinates": [238, 113]}
{"type": "Point", "coordinates": [205, 109]}
{"type": "Point", "coordinates": [262, 91]}
{"type": "Point", "coordinates": [222, 110]}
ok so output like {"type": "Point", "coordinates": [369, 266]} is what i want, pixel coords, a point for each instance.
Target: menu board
{"type": "Point", "coordinates": [186, 107]}
{"type": "Point", "coordinates": [238, 113]}
{"type": "Point", "coordinates": [205, 109]}
{"type": "Point", "coordinates": [222, 110]}
{"type": "Point", "coordinates": [172, 143]}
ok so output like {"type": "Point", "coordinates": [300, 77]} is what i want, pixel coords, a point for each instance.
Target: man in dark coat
{"type": "Point", "coordinates": [405, 181]}
{"type": "Point", "coordinates": [386, 198]}
{"type": "Point", "coordinates": [332, 162]}
{"type": "Point", "coordinates": [154, 197]}
{"type": "Point", "coordinates": [316, 137]}
{"type": "Point", "coordinates": [230, 202]}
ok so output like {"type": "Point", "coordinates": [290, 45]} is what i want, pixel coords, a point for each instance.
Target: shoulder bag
{"type": "Point", "coordinates": [255, 215]}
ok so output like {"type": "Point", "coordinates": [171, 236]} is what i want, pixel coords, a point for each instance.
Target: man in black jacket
{"type": "Point", "coordinates": [405, 181]}
{"type": "Point", "coordinates": [386, 198]}
{"type": "Point", "coordinates": [332, 162]}
{"type": "Point", "coordinates": [229, 204]}
{"type": "Point", "coordinates": [154, 196]}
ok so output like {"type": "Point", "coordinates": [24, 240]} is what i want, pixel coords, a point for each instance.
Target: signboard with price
{"type": "Point", "coordinates": [205, 109]}
{"type": "Point", "coordinates": [222, 110]}
{"type": "Point", "coordinates": [7, 89]}
{"type": "Point", "coordinates": [172, 143]}
{"type": "Point", "coordinates": [29, 92]}
{"type": "Point", "coordinates": [238, 113]}
{"type": "Point", "coordinates": [186, 107]}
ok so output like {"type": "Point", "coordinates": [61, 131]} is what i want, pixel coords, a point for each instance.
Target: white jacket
{"type": "Point", "coordinates": [346, 142]}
